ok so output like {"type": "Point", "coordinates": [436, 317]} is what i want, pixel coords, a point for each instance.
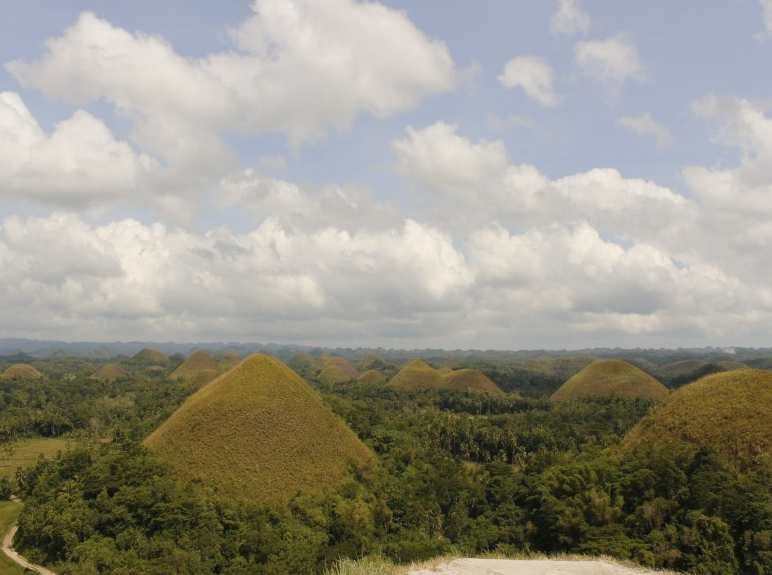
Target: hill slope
{"type": "Point", "coordinates": [21, 371]}
{"type": "Point", "coordinates": [611, 378]}
{"type": "Point", "coordinates": [417, 374]}
{"type": "Point", "coordinates": [259, 433]}
{"type": "Point", "coordinates": [728, 411]}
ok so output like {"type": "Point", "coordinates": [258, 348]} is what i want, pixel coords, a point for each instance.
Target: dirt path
{"type": "Point", "coordinates": [539, 567]}
{"type": "Point", "coordinates": [18, 559]}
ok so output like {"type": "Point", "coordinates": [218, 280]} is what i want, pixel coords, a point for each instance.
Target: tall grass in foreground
{"type": "Point", "coordinates": [366, 566]}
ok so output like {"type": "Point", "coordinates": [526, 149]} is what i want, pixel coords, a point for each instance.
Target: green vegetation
{"type": "Point", "coordinates": [559, 367]}
{"type": "Point", "coordinates": [26, 452]}
{"type": "Point", "coordinates": [259, 433]}
{"type": "Point", "coordinates": [418, 375]}
{"type": "Point", "coordinates": [372, 377]}
{"type": "Point", "coordinates": [679, 373]}
{"type": "Point", "coordinates": [9, 512]}
{"type": "Point", "coordinates": [21, 371]}
{"type": "Point", "coordinates": [729, 412]}
{"type": "Point", "coordinates": [611, 378]}
{"type": "Point", "coordinates": [110, 372]}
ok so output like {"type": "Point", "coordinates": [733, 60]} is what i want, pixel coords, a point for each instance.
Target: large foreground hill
{"type": "Point", "coordinates": [259, 433]}
{"type": "Point", "coordinates": [729, 412]}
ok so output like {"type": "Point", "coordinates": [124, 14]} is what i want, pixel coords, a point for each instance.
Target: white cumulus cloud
{"type": "Point", "coordinates": [614, 59]}
{"type": "Point", "coordinates": [533, 75]}
{"type": "Point", "coordinates": [297, 67]}
{"type": "Point", "coordinates": [79, 163]}
{"type": "Point", "coordinates": [569, 19]}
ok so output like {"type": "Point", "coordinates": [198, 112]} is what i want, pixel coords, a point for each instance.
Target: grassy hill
{"type": "Point", "coordinates": [729, 412]}
{"type": "Point", "coordinates": [199, 367]}
{"type": "Point", "coordinates": [150, 356]}
{"type": "Point", "coordinates": [611, 378]}
{"type": "Point", "coordinates": [417, 374]}
{"type": "Point", "coordinates": [259, 433]}
{"type": "Point", "coordinates": [110, 372]}
{"type": "Point", "coordinates": [21, 371]}
{"type": "Point", "coordinates": [336, 369]}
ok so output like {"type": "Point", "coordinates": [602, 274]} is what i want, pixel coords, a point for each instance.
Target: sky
{"type": "Point", "coordinates": [443, 173]}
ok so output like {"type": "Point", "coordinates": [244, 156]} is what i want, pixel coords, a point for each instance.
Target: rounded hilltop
{"type": "Point", "coordinates": [611, 378]}
{"type": "Point", "coordinates": [417, 374]}
{"type": "Point", "coordinates": [109, 372]}
{"type": "Point", "coordinates": [336, 369]}
{"type": "Point", "coordinates": [199, 366]}
{"type": "Point", "coordinates": [728, 412]}
{"type": "Point", "coordinates": [150, 356]}
{"type": "Point", "coordinates": [21, 371]}
{"type": "Point", "coordinates": [259, 433]}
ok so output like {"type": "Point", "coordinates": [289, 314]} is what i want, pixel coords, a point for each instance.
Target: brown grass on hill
{"type": "Point", "coordinates": [417, 374]}
{"type": "Point", "coordinates": [21, 371]}
{"type": "Point", "coordinates": [259, 433]}
{"type": "Point", "coordinates": [611, 378]}
{"type": "Point", "coordinates": [336, 369]}
{"type": "Point", "coordinates": [728, 411]}
{"type": "Point", "coordinates": [199, 367]}
{"type": "Point", "coordinates": [151, 357]}
{"type": "Point", "coordinates": [110, 372]}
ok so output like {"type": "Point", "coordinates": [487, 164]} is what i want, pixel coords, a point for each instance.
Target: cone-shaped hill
{"type": "Point", "coordinates": [611, 378]}
{"type": "Point", "coordinates": [199, 367]}
{"type": "Point", "coordinates": [259, 433]}
{"type": "Point", "coordinates": [372, 377]}
{"type": "Point", "coordinates": [728, 412]}
{"type": "Point", "coordinates": [417, 375]}
{"type": "Point", "coordinates": [336, 369]}
{"type": "Point", "coordinates": [150, 356]}
{"type": "Point", "coordinates": [109, 372]}
{"type": "Point", "coordinates": [21, 371]}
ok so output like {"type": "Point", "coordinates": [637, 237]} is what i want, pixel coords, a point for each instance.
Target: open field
{"type": "Point", "coordinates": [27, 451]}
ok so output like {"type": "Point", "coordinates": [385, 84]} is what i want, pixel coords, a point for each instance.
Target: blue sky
{"type": "Point", "coordinates": [334, 164]}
